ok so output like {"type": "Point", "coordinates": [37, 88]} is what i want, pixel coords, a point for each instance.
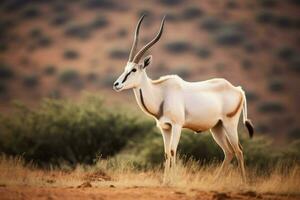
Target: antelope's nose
{"type": "Point", "coordinates": [116, 84]}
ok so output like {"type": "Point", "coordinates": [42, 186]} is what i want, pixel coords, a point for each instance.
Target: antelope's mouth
{"type": "Point", "coordinates": [118, 88]}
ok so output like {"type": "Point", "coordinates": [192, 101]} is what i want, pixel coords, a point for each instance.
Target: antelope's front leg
{"type": "Point", "coordinates": [175, 136]}
{"type": "Point", "coordinates": [167, 138]}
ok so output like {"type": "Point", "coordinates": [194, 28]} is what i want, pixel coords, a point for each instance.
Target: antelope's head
{"type": "Point", "coordinates": [131, 77]}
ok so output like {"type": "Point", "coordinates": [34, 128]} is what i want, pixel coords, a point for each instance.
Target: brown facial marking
{"type": "Point", "coordinates": [231, 114]}
{"type": "Point", "coordinates": [172, 153]}
{"type": "Point", "coordinates": [166, 156]}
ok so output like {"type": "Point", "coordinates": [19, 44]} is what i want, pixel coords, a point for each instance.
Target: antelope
{"type": "Point", "coordinates": [214, 105]}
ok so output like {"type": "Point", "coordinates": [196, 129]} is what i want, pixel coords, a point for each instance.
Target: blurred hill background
{"type": "Point", "coordinates": [60, 49]}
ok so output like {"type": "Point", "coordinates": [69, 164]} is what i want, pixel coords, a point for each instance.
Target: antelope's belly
{"type": "Point", "coordinates": [202, 115]}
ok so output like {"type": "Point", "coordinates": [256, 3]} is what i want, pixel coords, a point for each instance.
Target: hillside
{"type": "Point", "coordinates": [61, 49]}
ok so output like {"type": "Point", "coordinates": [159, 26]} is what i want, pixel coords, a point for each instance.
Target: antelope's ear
{"type": "Point", "coordinates": [147, 61]}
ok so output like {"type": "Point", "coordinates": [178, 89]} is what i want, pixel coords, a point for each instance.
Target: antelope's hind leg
{"type": "Point", "coordinates": [219, 136]}
{"type": "Point", "coordinates": [233, 138]}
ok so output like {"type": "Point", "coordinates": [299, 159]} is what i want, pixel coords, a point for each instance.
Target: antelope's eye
{"type": "Point", "coordinates": [133, 70]}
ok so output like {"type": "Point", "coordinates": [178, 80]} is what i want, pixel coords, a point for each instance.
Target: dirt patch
{"type": "Point", "coordinates": [97, 176]}
{"type": "Point", "coordinates": [119, 193]}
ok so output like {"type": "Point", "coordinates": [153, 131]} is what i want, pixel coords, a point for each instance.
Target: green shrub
{"type": "Point", "coordinates": [294, 64]}
{"type": "Point", "coordinates": [203, 52]}
{"type": "Point", "coordinates": [71, 78]}
{"type": "Point", "coordinates": [177, 47]}
{"type": "Point", "coordinates": [92, 77]}
{"type": "Point", "coordinates": [3, 46]}
{"type": "Point", "coordinates": [118, 53]}
{"type": "Point", "coordinates": [211, 24]}
{"type": "Point", "coordinates": [294, 134]}
{"type": "Point", "coordinates": [60, 19]}
{"type": "Point", "coordinates": [250, 47]}
{"type": "Point", "coordinates": [79, 31]}
{"type": "Point", "coordinates": [192, 13]}
{"type": "Point", "coordinates": [31, 12]}
{"type": "Point", "coordinates": [247, 64]}
{"type": "Point", "coordinates": [31, 80]}
{"type": "Point", "coordinates": [50, 70]}
{"type": "Point", "coordinates": [271, 107]}
{"type": "Point", "coordinates": [100, 4]}
{"type": "Point", "coordinates": [99, 22]}
{"type": "Point", "coordinates": [44, 41]}
{"type": "Point", "coordinates": [5, 71]}
{"type": "Point", "coordinates": [276, 85]}
{"type": "Point", "coordinates": [108, 80]}
{"type": "Point", "coordinates": [265, 17]}
{"type": "Point", "coordinates": [69, 75]}
{"type": "Point", "coordinates": [182, 71]}
{"type": "Point", "coordinates": [230, 35]}
{"type": "Point", "coordinates": [71, 54]}
{"type": "Point", "coordinates": [171, 2]}
{"type": "Point", "coordinates": [35, 33]}
{"type": "Point", "coordinates": [3, 89]}
{"type": "Point", "coordinates": [61, 131]}
{"type": "Point", "coordinates": [268, 3]}
{"type": "Point", "coordinates": [286, 53]}
{"type": "Point", "coordinates": [251, 96]}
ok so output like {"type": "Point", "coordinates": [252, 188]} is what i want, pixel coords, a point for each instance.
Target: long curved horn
{"type": "Point", "coordinates": [135, 41]}
{"type": "Point", "coordinates": [140, 54]}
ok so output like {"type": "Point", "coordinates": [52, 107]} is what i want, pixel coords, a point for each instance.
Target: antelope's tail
{"type": "Point", "coordinates": [247, 122]}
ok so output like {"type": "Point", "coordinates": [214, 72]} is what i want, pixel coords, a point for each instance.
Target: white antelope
{"type": "Point", "coordinates": [213, 105]}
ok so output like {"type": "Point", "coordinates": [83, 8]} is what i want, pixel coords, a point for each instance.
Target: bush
{"type": "Point", "coordinates": [183, 72]}
{"type": "Point", "coordinates": [177, 47]}
{"type": "Point", "coordinates": [50, 70]}
{"type": "Point", "coordinates": [211, 24]}
{"type": "Point", "coordinates": [265, 17]}
{"type": "Point", "coordinates": [102, 4]}
{"type": "Point", "coordinates": [276, 85]}
{"type": "Point", "coordinates": [78, 31]}
{"type": "Point", "coordinates": [247, 64]}
{"type": "Point", "coordinates": [294, 133]}
{"type": "Point", "coordinates": [250, 47]}
{"type": "Point", "coordinates": [203, 52]}
{"type": "Point", "coordinates": [61, 131]}
{"type": "Point", "coordinates": [69, 76]}
{"type": "Point", "coordinates": [5, 71]}
{"type": "Point", "coordinates": [286, 53]}
{"type": "Point", "coordinates": [268, 3]}
{"type": "Point", "coordinates": [118, 54]}
{"type": "Point", "coordinates": [31, 12]}
{"type": "Point", "coordinates": [99, 22]}
{"type": "Point", "coordinates": [71, 54]}
{"type": "Point", "coordinates": [108, 80]}
{"type": "Point", "coordinates": [3, 89]}
{"type": "Point", "coordinates": [35, 33]}
{"type": "Point", "coordinates": [192, 13]}
{"type": "Point", "coordinates": [44, 41]}
{"type": "Point", "coordinates": [251, 96]}
{"type": "Point", "coordinates": [170, 2]}
{"type": "Point", "coordinates": [31, 80]}
{"type": "Point", "coordinates": [271, 107]}
{"type": "Point", "coordinates": [60, 19]}
{"type": "Point", "coordinates": [284, 22]}
{"type": "Point", "coordinates": [3, 46]}
{"type": "Point", "coordinates": [230, 35]}
{"type": "Point", "coordinates": [294, 64]}
{"type": "Point", "coordinates": [92, 77]}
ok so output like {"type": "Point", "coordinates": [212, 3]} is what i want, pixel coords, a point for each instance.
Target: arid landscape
{"type": "Point", "coordinates": [66, 134]}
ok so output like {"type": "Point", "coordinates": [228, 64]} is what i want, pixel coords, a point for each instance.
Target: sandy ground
{"type": "Point", "coordinates": [112, 192]}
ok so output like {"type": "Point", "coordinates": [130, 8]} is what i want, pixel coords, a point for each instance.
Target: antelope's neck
{"type": "Point", "coordinates": [148, 97]}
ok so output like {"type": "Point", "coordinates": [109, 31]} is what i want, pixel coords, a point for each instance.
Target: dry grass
{"type": "Point", "coordinates": [119, 173]}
